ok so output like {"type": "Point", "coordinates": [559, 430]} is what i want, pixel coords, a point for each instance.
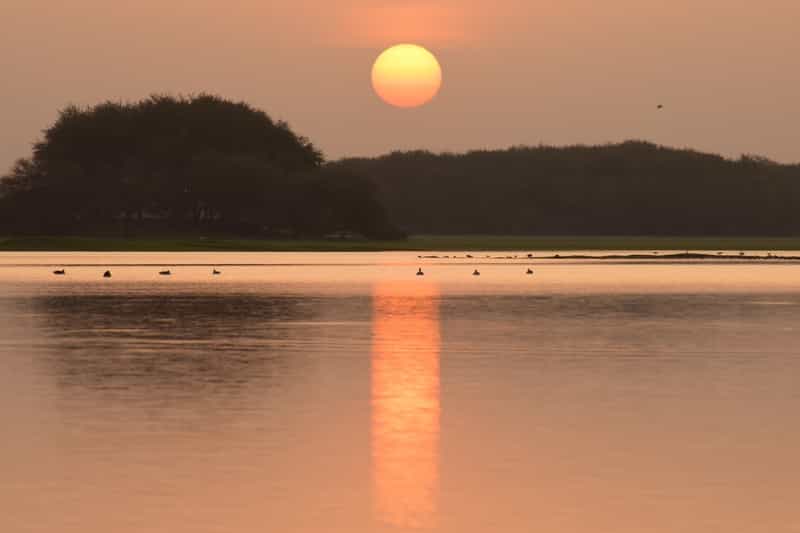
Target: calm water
{"type": "Point", "coordinates": [341, 393]}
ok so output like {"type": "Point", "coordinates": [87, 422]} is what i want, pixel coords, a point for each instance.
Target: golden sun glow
{"type": "Point", "coordinates": [406, 75]}
{"type": "Point", "coordinates": [405, 403]}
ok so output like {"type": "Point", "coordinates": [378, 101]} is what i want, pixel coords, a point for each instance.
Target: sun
{"type": "Point", "coordinates": [406, 75]}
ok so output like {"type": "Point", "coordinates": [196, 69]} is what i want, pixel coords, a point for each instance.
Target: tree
{"type": "Point", "coordinates": [197, 163]}
{"type": "Point", "coordinates": [632, 188]}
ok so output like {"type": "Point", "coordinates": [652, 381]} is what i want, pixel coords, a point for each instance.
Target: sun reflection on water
{"type": "Point", "coordinates": [405, 403]}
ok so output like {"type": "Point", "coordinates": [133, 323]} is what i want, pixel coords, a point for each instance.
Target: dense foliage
{"type": "Point", "coordinates": [208, 165]}
{"type": "Point", "coordinates": [633, 188]}
{"type": "Point", "coordinates": [182, 164]}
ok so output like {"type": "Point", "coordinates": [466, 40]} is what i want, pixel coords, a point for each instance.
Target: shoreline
{"type": "Point", "coordinates": [650, 247]}
{"type": "Point", "coordinates": [683, 256]}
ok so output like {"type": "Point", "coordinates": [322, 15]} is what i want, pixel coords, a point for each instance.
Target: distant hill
{"type": "Point", "coordinates": [633, 188]}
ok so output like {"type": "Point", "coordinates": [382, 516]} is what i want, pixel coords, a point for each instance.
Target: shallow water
{"type": "Point", "coordinates": [340, 392]}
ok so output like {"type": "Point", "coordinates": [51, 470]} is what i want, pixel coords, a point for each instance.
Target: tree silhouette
{"type": "Point", "coordinates": [632, 188]}
{"type": "Point", "coordinates": [167, 163]}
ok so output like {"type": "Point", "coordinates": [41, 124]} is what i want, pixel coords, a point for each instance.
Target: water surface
{"type": "Point", "coordinates": [339, 392]}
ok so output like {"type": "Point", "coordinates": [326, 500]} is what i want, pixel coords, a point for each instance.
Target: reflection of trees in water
{"type": "Point", "coordinates": [175, 345]}
{"type": "Point", "coordinates": [685, 329]}
{"type": "Point", "coordinates": [625, 306]}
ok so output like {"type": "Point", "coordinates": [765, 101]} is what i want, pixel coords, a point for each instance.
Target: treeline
{"type": "Point", "coordinates": [207, 165]}
{"type": "Point", "coordinates": [197, 164]}
{"type": "Point", "coordinates": [633, 188]}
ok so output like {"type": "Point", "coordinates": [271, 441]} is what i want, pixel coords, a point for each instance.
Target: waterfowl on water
{"type": "Point", "coordinates": [165, 273]}
{"type": "Point", "coordinates": [420, 272]}
{"type": "Point", "coordinates": [476, 273]}
{"type": "Point", "coordinates": [107, 274]}
{"type": "Point", "coordinates": [216, 272]}
{"type": "Point", "coordinates": [529, 272]}
{"type": "Point", "coordinates": [59, 272]}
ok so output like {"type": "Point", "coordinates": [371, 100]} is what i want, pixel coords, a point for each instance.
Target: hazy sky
{"type": "Point", "coordinates": [515, 72]}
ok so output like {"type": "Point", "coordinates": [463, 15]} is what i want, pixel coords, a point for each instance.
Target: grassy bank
{"type": "Point", "coordinates": [417, 243]}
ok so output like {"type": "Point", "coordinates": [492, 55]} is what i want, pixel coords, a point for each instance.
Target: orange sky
{"type": "Point", "coordinates": [515, 72]}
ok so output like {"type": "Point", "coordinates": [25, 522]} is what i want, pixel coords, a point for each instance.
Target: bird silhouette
{"type": "Point", "coordinates": [107, 274]}
{"type": "Point", "coordinates": [660, 106]}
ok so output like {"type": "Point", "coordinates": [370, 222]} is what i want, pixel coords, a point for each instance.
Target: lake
{"type": "Point", "coordinates": [339, 392]}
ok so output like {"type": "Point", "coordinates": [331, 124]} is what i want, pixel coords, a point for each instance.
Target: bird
{"type": "Point", "coordinates": [59, 272]}
{"type": "Point", "coordinates": [420, 272]}
{"type": "Point", "coordinates": [216, 272]}
{"type": "Point", "coordinates": [476, 273]}
{"type": "Point", "coordinates": [529, 272]}
{"type": "Point", "coordinates": [165, 273]}
{"type": "Point", "coordinates": [107, 274]}
{"type": "Point", "coordinates": [660, 106]}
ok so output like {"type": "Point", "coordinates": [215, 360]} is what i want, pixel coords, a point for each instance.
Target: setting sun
{"type": "Point", "coordinates": [406, 75]}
